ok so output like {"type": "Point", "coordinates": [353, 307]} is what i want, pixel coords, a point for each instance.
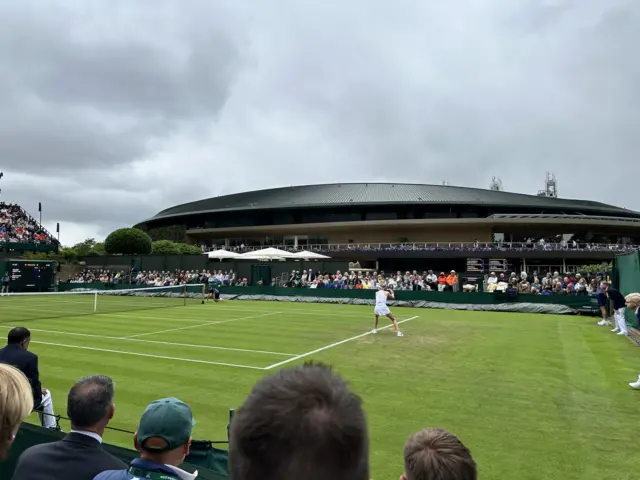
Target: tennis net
{"type": "Point", "coordinates": [16, 307]}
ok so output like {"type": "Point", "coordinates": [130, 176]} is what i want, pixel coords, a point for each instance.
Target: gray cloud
{"type": "Point", "coordinates": [122, 109]}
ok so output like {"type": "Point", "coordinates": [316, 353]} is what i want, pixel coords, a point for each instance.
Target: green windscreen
{"type": "Point", "coordinates": [628, 272]}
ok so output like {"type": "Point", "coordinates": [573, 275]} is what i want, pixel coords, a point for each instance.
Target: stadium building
{"type": "Point", "coordinates": [366, 213]}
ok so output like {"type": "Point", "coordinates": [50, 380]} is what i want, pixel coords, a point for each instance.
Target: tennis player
{"type": "Point", "coordinates": [214, 293]}
{"type": "Point", "coordinates": [381, 308]}
{"type": "Point", "coordinates": [5, 283]}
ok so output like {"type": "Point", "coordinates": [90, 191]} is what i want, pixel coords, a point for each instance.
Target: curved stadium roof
{"type": "Point", "coordinates": [341, 194]}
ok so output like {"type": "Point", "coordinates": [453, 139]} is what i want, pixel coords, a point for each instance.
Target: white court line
{"type": "Point", "coordinates": [149, 355]}
{"type": "Point", "coordinates": [332, 345]}
{"type": "Point", "coordinates": [303, 311]}
{"type": "Point", "coordinates": [158, 342]}
{"type": "Point", "coordinates": [199, 325]}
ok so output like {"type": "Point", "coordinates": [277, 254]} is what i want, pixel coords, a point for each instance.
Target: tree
{"type": "Point", "coordinates": [98, 248]}
{"type": "Point", "coordinates": [128, 241]}
{"type": "Point", "coordinates": [165, 247]}
{"type": "Point", "coordinates": [83, 249]}
{"type": "Point", "coordinates": [69, 254]}
{"type": "Point", "coordinates": [186, 249]}
{"type": "Point", "coordinates": [593, 269]}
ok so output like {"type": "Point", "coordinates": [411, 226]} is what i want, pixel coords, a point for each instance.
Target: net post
{"type": "Point", "coordinates": [95, 301]}
{"type": "Point", "coordinates": [203, 293]}
{"type": "Point", "coordinates": [185, 295]}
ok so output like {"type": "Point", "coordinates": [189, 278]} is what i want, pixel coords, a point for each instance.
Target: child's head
{"type": "Point", "coordinates": [633, 300]}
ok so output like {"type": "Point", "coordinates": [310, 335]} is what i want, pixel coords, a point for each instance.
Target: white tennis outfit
{"type": "Point", "coordinates": [381, 304]}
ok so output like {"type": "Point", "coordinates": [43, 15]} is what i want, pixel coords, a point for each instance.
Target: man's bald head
{"type": "Point", "coordinates": [90, 402]}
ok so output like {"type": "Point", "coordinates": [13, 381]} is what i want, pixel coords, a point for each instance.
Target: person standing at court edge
{"type": "Point", "coordinates": [17, 353]}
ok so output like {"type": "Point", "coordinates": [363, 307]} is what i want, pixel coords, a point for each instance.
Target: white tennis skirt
{"type": "Point", "coordinates": [381, 310]}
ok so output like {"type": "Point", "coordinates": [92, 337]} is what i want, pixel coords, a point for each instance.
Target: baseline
{"type": "Point", "coordinates": [333, 345]}
{"type": "Point", "coordinates": [122, 352]}
{"type": "Point", "coordinates": [199, 325]}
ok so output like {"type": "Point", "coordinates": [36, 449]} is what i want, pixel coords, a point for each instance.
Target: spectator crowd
{"type": "Point", "coordinates": [545, 284]}
{"type": "Point", "coordinates": [157, 278]}
{"type": "Point", "coordinates": [535, 283]}
{"type": "Point", "coordinates": [17, 226]}
{"type": "Point", "coordinates": [363, 279]}
{"type": "Point", "coordinates": [300, 422]}
{"type": "Point", "coordinates": [100, 275]}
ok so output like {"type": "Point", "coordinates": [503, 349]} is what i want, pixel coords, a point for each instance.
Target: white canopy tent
{"type": "Point", "coordinates": [222, 254]}
{"type": "Point", "coordinates": [306, 255]}
{"type": "Point", "coordinates": [267, 254]}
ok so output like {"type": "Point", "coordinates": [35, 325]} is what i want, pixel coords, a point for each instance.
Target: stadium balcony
{"type": "Point", "coordinates": [20, 232]}
{"type": "Point", "coordinates": [470, 247]}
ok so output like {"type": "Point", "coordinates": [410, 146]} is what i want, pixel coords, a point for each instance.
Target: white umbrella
{"type": "Point", "coordinates": [267, 254]}
{"type": "Point", "coordinates": [222, 254]}
{"type": "Point", "coordinates": [306, 255]}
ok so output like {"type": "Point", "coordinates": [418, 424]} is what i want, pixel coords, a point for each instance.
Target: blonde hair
{"type": "Point", "coordinates": [633, 300]}
{"type": "Point", "coordinates": [16, 403]}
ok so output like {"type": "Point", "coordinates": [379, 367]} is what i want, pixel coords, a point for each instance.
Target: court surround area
{"type": "Point", "coordinates": [533, 396]}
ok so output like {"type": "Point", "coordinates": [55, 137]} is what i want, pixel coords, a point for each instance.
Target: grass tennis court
{"type": "Point", "coordinates": [533, 396]}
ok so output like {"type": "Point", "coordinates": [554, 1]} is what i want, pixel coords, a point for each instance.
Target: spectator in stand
{"type": "Point", "coordinates": [163, 440]}
{"type": "Point", "coordinates": [79, 455]}
{"type": "Point", "coordinates": [619, 304]}
{"type": "Point", "coordinates": [16, 403]}
{"type": "Point", "coordinates": [524, 286]}
{"type": "Point", "coordinates": [436, 454]}
{"type": "Point", "coordinates": [442, 282]}
{"type": "Point", "coordinates": [432, 280]}
{"type": "Point", "coordinates": [581, 287]}
{"type": "Point", "coordinates": [16, 353]}
{"type": "Point", "coordinates": [300, 423]}
{"type": "Point", "coordinates": [452, 281]}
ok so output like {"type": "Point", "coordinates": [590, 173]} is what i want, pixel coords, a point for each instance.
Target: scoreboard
{"type": "Point", "coordinates": [479, 265]}
{"type": "Point", "coordinates": [30, 276]}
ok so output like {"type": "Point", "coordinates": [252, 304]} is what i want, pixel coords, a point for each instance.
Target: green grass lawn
{"type": "Point", "coordinates": [533, 396]}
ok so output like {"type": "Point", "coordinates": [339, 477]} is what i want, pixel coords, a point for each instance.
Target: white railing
{"type": "Point", "coordinates": [442, 246]}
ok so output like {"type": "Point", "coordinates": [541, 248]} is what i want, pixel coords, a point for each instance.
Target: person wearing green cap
{"type": "Point", "coordinates": [163, 440]}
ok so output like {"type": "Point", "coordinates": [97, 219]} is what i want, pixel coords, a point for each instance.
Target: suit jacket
{"type": "Point", "coordinates": [616, 298]}
{"type": "Point", "coordinates": [76, 456]}
{"type": "Point", "coordinates": [27, 363]}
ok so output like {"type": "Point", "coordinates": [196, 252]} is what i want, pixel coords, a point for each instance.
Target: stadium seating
{"type": "Point", "coordinates": [17, 227]}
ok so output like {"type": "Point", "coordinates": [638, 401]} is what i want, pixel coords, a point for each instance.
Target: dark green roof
{"type": "Point", "coordinates": [340, 194]}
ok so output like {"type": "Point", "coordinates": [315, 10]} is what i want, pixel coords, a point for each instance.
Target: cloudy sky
{"type": "Point", "coordinates": [112, 110]}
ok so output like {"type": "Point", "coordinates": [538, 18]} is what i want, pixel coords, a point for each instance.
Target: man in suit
{"type": "Point", "coordinates": [619, 304]}
{"type": "Point", "coordinates": [79, 455]}
{"type": "Point", "coordinates": [16, 353]}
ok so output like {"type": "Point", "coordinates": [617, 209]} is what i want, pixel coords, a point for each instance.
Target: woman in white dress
{"type": "Point", "coordinates": [381, 308]}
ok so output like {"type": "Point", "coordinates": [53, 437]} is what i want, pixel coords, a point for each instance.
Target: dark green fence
{"type": "Point", "coordinates": [478, 298]}
{"type": "Point", "coordinates": [211, 465]}
{"type": "Point", "coordinates": [627, 269]}
{"type": "Point", "coordinates": [580, 303]}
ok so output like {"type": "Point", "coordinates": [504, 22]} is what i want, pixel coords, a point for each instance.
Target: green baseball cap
{"type": "Point", "coordinates": [169, 419]}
